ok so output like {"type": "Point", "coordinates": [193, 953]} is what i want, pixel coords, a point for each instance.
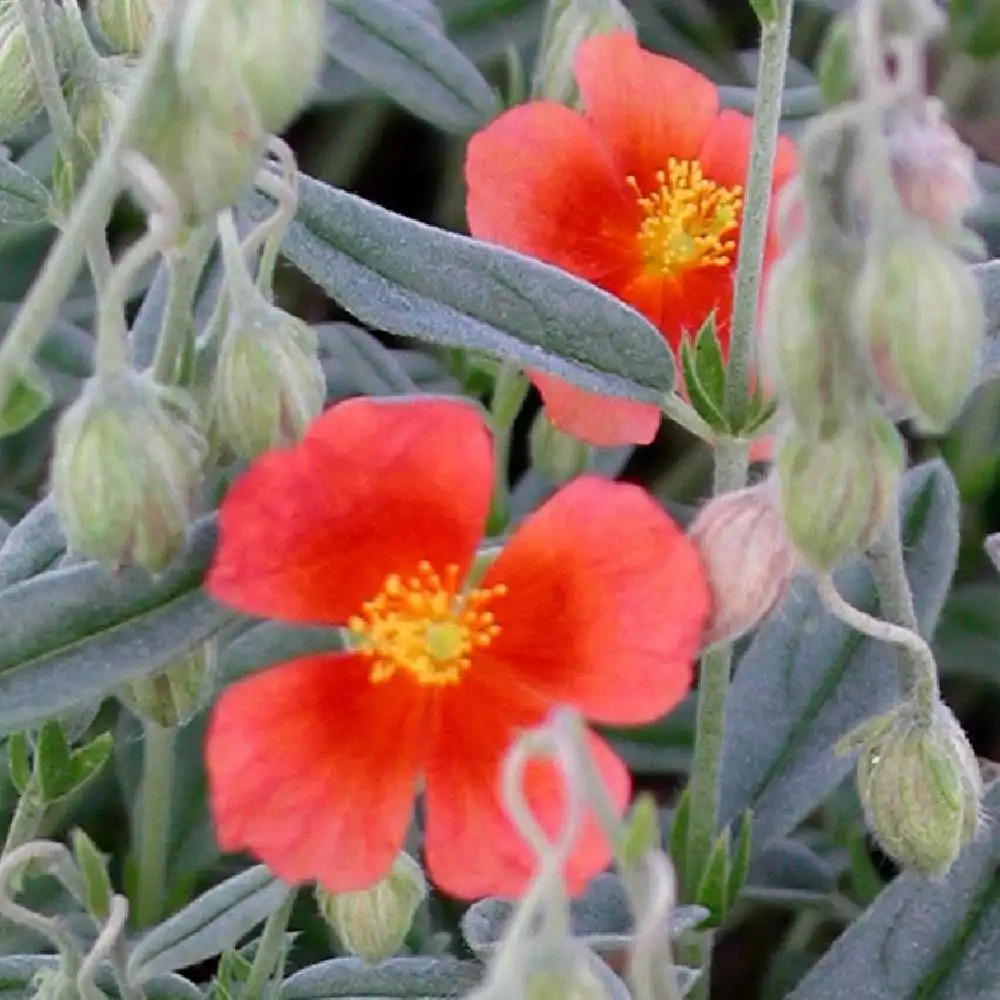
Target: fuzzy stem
{"type": "Point", "coordinates": [29, 814]}
{"type": "Point", "coordinates": [153, 822]}
{"type": "Point", "coordinates": [775, 36]}
{"type": "Point", "coordinates": [684, 415]}
{"type": "Point", "coordinates": [268, 955]}
{"type": "Point", "coordinates": [41, 306]}
{"type": "Point", "coordinates": [916, 661]}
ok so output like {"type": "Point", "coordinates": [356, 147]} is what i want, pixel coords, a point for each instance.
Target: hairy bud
{"type": "Point", "coordinates": [373, 923]}
{"type": "Point", "coordinates": [933, 169]}
{"type": "Point", "coordinates": [920, 787]}
{"type": "Point", "coordinates": [173, 697]}
{"type": "Point", "coordinates": [20, 95]}
{"type": "Point", "coordinates": [271, 51]}
{"type": "Point", "coordinates": [810, 363]}
{"type": "Point", "coordinates": [208, 160]}
{"type": "Point", "coordinates": [127, 25]}
{"type": "Point", "coordinates": [268, 383]}
{"type": "Point", "coordinates": [126, 467]}
{"type": "Point", "coordinates": [748, 557]}
{"type": "Point", "coordinates": [567, 24]}
{"type": "Point", "coordinates": [918, 311]}
{"type": "Point", "coordinates": [837, 494]}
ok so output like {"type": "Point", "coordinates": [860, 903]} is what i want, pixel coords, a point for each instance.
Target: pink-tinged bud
{"type": "Point", "coordinates": [933, 169]}
{"type": "Point", "coordinates": [918, 312]}
{"type": "Point", "coordinates": [749, 560]}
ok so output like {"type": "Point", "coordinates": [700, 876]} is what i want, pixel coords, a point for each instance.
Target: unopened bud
{"type": "Point", "coordinates": [373, 923]}
{"type": "Point", "coordinates": [173, 697]}
{"type": "Point", "coordinates": [918, 311]}
{"type": "Point", "coordinates": [837, 494]}
{"type": "Point", "coordinates": [835, 66]}
{"type": "Point", "coordinates": [567, 24]}
{"type": "Point", "coordinates": [126, 468]}
{"type": "Point", "coordinates": [807, 359]}
{"type": "Point", "coordinates": [560, 457]}
{"type": "Point", "coordinates": [564, 976]}
{"type": "Point", "coordinates": [268, 383]}
{"type": "Point", "coordinates": [208, 160]}
{"type": "Point", "coordinates": [127, 25]}
{"type": "Point", "coordinates": [920, 787]}
{"type": "Point", "coordinates": [933, 169]}
{"type": "Point", "coordinates": [20, 95]}
{"type": "Point", "coordinates": [749, 560]}
{"type": "Point", "coordinates": [271, 51]}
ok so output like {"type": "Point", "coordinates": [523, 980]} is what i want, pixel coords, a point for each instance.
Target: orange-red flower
{"type": "Point", "coordinates": [640, 194]}
{"type": "Point", "coordinates": [597, 601]}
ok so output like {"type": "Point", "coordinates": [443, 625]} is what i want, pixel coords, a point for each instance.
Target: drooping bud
{"type": "Point", "coordinates": [809, 361]}
{"type": "Point", "coordinates": [373, 923]}
{"type": "Point", "coordinates": [918, 311]}
{"type": "Point", "coordinates": [567, 24]}
{"type": "Point", "coordinates": [126, 467]}
{"type": "Point", "coordinates": [560, 457]}
{"type": "Point", "coordinates": [837, 494]}
{"type": "Point", "coordinates": [920, 787]}
{"type": "Point", "coordinates": [127, 25]}
{"type": "Point", "coordinates": [268, 383]}
{"type": "Point", "coordinates": [209, 160]}
{"type": "Point", "coordinates": [933, 169]}
{"type": "Point", "coordinates": [568, 974]}
{"type": "Point", "coordinates": [748, 558]}
{"type": "Point", "coordinates": [172, 698]}
{"type": "Point", "coordinates": [271, 51]}
{"type": "Point", "coordinates": [20, 94]}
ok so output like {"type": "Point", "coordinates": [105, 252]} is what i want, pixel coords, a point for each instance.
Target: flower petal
{"type": "Point", "coordinates": [540, 183]}
{"type": "Point", "coordinates": [471, 846]}
{"type": "Point", "coordinates": [312, 769]}
{"type": "Point", "coordinates": [603, 421]}
{"type": "Point", "coordinates": [605, 605]}
{"type": "Point", "coordinates": [646, 107]}
{"type": "Point", "coordinates": [309, 533]}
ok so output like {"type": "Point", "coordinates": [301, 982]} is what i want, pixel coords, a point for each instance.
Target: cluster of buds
{"type": "Point", "coordinates": [920, 786]}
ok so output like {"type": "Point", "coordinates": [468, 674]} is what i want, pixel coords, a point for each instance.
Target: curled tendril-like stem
{"type": "Point", "coordinates": [105, 948]}
{"type": "Point", "coordinates": [283, 187]}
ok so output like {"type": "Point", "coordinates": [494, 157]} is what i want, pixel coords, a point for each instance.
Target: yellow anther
{"type": "Point", "coordinates": [425, 626]}
{"type": "Point", "coordinates": [688, 221]}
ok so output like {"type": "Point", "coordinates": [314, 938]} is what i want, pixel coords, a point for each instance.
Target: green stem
{"type": "Point", "coordinates": [685, 415]}
{"type": "Point", "coordinates": [269, 950]}
{"type": "Point", "coordinates": [90, 215]}
{"type": "Point", "coordinates": [185, 264]}
{"type": "Point", "coordinates": [26, 822]}
{"type": "Point", "coordinates": [509, 392]}
{"type": "Point", "coordinates": [916, 662]}
{"type": "Point", "coordinates": [153, 823]}
{"type": "Point", "coordinates": [775, 36]}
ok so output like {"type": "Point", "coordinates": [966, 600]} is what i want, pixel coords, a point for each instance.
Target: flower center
{"type": "Point", "coordinates": [687, 220]}
{"type": "Point", "coordinates": [423, 625]}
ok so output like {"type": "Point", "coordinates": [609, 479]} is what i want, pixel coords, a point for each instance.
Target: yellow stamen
{"type": "Point", "coordinates": [424, 626]}
{"type": "Point", "coordinates": [687, 220]}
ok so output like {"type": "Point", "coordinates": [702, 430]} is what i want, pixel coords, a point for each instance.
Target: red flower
{"type": "Point", "coordinates": [641, 194]}
{"type": "Point", "coordinates": [373, 521]}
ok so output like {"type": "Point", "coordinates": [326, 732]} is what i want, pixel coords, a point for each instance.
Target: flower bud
{"type": "Point", "coordinates": [127, 25]}
{"type": "Point", "coordinates": [566, 975]}
{"type": "Point", "coordinates": [835, 66]}
{"type": "Point", "coordinates": [373, 923]}
{"type": "Point", "coordinates": [809, 362]}
{"type": "Point", "coordinates": [837, 494]}
{"type": "Point", "coordinates": [271, 51]}
{"type": "Point", "coordinates": [921, 788]}
{"type": "Point", "coordinates": [567, 24]}
{"type": "Point", "coordinates": [125, 471]}
{"type": "Point", "coordinates": [172, 698]}
{"type": "Point", "coordinates": [20, 95]}
{"type": "Point", "coordinates": [748, 558]}
{"type": "Point", "coordinates": [268, 383]}
{"type": "Point", "coordinates": [209, 160]}
{"type": "Point", "coordinates": [918, 311]}
{"type": "Point", "coordinates": [933, 169]}
{"type": "Point", "coordinates": [558, 456]}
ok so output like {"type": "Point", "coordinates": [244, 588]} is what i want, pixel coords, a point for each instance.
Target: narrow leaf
{"type": "Point", "coordinates": [713, 885]}
{"type": "Point", "coordinates": [24, 199]}
{"type": "Point", "coordinates": [93, 867]}
{"type": "Point", "coordinates": [705, 406]}
{"type": "Point", "coordinates": [53, 763]}
{"type": "Point", "coordinates": [426, 978]}
{"type": "Point", "coordinates": [18, 972]}
{"type": "Point", "coordinates": [33, 544]}
{"type": "Point", "coordinates": [29, 397]}
{"type": "Point", "coordinates": [924, 939]}
{"type": "Point", "coordinates": [19, 761]}
{"type": "Point", "coordinates": [208, 926]}
{"type": "Point", "coordinates": [709, 362]}
{"type": "Point", "coordinates": [679, 833]}
{"type": "Point", "coordinates": [740, 860]}
{"type": "Point", "coordinates": [807, 679]}
{"type": "Point", "coordinates": [407, 56]}
{"type": "Point", "coordinates": [412, 280]}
